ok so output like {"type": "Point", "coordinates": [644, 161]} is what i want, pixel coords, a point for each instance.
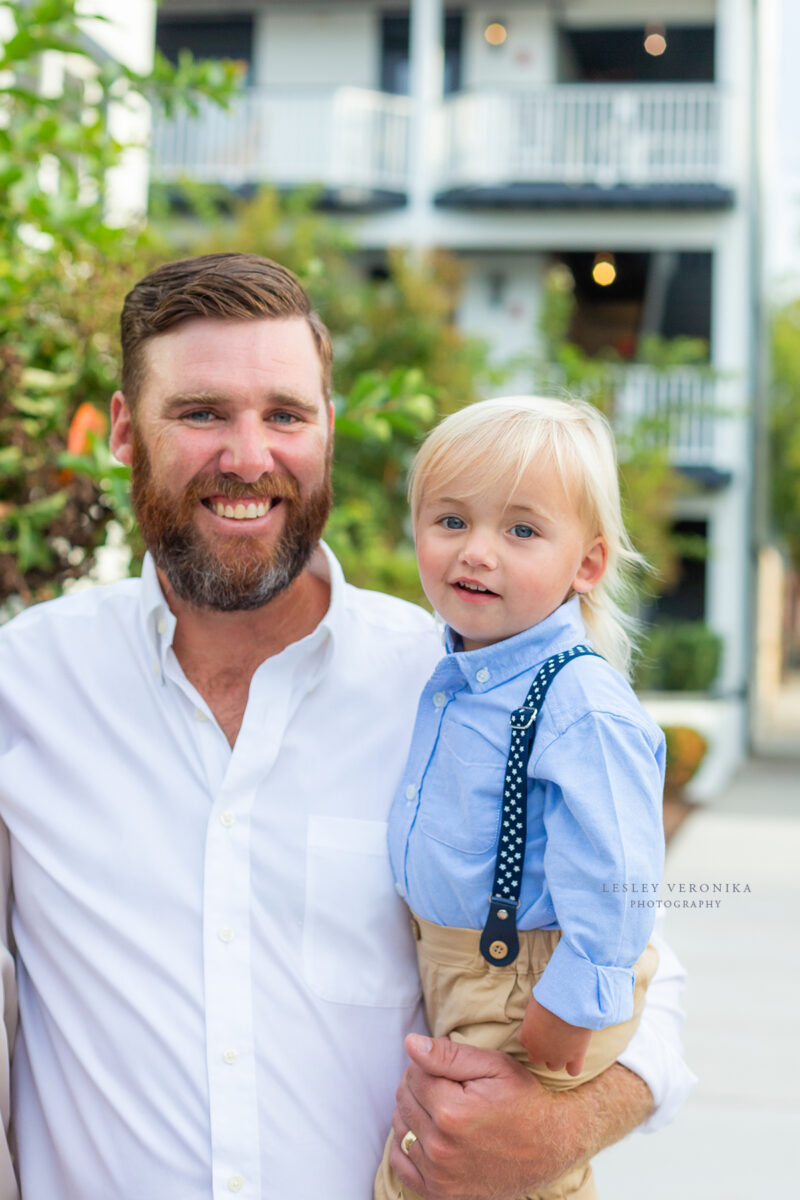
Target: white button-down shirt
{"type": "Point", "coordinates": [215, 971]}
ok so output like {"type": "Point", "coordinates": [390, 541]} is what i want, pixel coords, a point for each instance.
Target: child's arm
{"type": "Point", "coordinates": [602, 813]}
{"type": "Point", "coordinates": [551, 1041]}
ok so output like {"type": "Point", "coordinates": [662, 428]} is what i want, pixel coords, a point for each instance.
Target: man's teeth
{"type": "Point", "coordinates": [472, 587]}
{"type": "Point", "coordinates": [242, 512]}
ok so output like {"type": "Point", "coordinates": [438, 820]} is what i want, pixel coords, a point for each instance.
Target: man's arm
{"type": "Point", "coordinates": [655, 1051]}
{"type": "Point", "coordinates": [488, 1130]}
{"type": "Point", "coordinates": [8, 1006]}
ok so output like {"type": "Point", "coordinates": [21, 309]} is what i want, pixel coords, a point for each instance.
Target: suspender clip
{"type": "Point", "coordinates": [520, 719]}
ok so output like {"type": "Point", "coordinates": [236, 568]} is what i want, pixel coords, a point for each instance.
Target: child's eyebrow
{"type": "Point", "coordinates": [526, 510]}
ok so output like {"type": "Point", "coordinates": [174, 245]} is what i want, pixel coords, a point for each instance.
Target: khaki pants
{"type": "Point", "coordinates": [470, 1000]}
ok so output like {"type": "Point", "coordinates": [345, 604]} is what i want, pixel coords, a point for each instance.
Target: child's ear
{"type": "Point", "coordinates": [593, 566]}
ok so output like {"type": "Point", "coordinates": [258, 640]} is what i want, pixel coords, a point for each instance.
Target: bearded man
{"type": "Point", "coordinates": [215, 974]}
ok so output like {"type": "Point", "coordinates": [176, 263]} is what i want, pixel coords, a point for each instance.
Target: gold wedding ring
{"type": "Point", "coordinates": [408, 1141]}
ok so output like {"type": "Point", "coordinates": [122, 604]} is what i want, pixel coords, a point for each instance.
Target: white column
{"type": "Point", "coordinates": [734, 310]}
{"type": "Point", "coordinates": [427, 89]}
{"type": "Point", "coordinates": [128, 35]}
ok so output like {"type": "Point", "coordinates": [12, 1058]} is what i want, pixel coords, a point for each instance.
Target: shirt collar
{"type": "Point", "coordinates": [158, 620]}
{"type": "Point", "coordinates": [486, 668]}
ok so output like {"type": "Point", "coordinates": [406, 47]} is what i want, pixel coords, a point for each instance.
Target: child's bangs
{"type": "Point", "coordinates": [491, 449]}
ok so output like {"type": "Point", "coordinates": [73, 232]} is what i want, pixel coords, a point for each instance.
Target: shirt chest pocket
{"type": "Point", "coordinates": [461, 800]}
{"type": "Point", "coordinates": [357, 942]}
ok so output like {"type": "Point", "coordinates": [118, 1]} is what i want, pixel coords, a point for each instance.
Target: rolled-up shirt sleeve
{"type": "Point", "coordinates": [603, 779]}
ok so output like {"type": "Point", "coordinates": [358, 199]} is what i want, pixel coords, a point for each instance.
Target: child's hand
{"type": "Point", "coordinates": [551, 1041]}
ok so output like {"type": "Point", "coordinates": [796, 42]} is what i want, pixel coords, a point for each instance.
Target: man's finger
{"type": "Point", "coordinates": [455, 1060]}
{"type": "Point", "coordinates": [404, 1165]}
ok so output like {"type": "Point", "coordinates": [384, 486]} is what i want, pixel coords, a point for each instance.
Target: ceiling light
{"type": "Point", "coordinates": [495, 33]}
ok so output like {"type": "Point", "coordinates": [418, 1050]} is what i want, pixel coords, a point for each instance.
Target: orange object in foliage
{"type": "Point", "coordinates": [87, 420]}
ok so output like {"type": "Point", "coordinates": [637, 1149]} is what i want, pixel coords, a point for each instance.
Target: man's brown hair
{"type": "Point", "coordinates": [228, 287]}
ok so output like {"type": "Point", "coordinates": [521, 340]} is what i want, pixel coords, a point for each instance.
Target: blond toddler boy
{"type": "Point", "coordinates": [531, 799]}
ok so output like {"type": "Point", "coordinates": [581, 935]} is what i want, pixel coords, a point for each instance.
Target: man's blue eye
{"type": "Point", "coordinates": [284, 418]}
{"type": "Point", "coordinates": [201, 417]}
{"type": "Point", "coordinates": [522, 531]}
{"type": "Point", "coordinates": [452, 523]}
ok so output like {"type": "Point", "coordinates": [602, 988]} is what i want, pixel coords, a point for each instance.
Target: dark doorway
{"type": "Point", "coordinates": [652, 293]}
{"type": "Point", "coordinates": [686, 599]}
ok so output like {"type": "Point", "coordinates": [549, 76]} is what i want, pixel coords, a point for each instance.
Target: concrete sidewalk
{"type": "Point", "coordinates": [738, 1136]}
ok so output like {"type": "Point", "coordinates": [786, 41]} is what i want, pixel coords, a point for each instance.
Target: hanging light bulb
{"type": "Point", "coordinates": [655, 40]}
{"type": "Point", "coordinates": [604, 271]}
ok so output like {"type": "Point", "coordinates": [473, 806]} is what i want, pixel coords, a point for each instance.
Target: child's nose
{"type": "Point", "coordinates": [478, 550]}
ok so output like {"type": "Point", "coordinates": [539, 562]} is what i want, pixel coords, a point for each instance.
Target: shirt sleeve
{"type": "Point", "coordinates": [655, 1052]}
{"type": "Point", "coordinates": [8, 1005]}
{"type": "Point", "coordinates": [603, 861]}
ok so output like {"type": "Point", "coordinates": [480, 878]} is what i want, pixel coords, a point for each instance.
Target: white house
{"type": "Point", "coordinates": [518, 134]}
{"type": "Point", "coordinates": [124, 34]}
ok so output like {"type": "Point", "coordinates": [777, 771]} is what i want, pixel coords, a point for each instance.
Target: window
{"type": "Point", "coordinates": [221, 37]}
{"type": "Point", "coordinates": [395, 42]}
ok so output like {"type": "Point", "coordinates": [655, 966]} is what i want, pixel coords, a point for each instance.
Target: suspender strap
{"type": "Point", "coordinates": [499, 941]}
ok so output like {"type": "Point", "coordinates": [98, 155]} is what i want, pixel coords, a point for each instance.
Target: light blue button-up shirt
{"type": "Point", "coordinates": [595, 843]}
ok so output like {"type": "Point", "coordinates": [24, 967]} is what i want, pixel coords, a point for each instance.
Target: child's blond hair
{"type": "Point", "coordinates": [493, 440]}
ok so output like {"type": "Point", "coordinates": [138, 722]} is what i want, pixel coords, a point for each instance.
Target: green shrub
{"type": "Point", "coordinates": [680, 656]}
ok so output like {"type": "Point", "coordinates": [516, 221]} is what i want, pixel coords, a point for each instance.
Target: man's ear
{"type": "Point", "coordinates": [331, 417]}
{"type": "Point", "coordinates": [121, 437]}
{"type": "Point", "coordinates": [593, 566]}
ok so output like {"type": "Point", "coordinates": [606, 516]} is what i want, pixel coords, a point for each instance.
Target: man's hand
{"type": "Point", "coordinates": [486, 1128]}
{"type": "Point", "coordinates": [551, 1041]}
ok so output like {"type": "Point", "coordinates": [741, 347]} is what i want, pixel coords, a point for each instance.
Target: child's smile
{"type": "Point", "coordinates": [496, 563]}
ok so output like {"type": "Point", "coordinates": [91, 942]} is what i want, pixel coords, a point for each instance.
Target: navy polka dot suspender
{"type": "Point", "coordinates": [499, 940]}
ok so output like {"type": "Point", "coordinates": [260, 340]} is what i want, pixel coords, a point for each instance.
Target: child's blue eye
{"type": "Point", "coordinates": [522, 531]}
{"type": "Point", "coordinates": [452, 523]}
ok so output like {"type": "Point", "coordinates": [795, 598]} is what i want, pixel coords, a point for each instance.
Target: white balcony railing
{"type": "Point", "coordinates": [340, 138]}
{"type": "Point", "coordinates": [630, 135]}
{"type": "Point", "coordinates": [584, 134]}
{"type": "Point", "coordinates": [688, 411]}
{"type": "Point", "coordinates": [683, 409]}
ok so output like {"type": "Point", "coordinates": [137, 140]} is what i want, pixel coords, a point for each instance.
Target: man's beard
{"type": "Point", "coordinates": [233, 574]}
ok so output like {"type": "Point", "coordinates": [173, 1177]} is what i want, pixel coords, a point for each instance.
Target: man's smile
{"type": "Point", "coordinates": [245, 509]}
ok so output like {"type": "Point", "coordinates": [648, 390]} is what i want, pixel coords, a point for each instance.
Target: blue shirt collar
{"type": "Point", "coordinates": [492, 665]}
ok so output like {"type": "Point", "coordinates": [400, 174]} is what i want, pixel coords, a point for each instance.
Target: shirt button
{"type": "Point", "coordinates": [411, 792]}
{"type": "Point", "coordinates": [398, 887]}
{"type": "Point", "coordinates": [162, 626]}
{"type": "Point", "coordinates": [439, 699]}
{"type": "Point", "coordinates": [226, 934]}
{"type": "Point", "coordinates": [227, 819]}
{"type": "Point", "coordinates": [230, 1057]}
{"type": "Point", "coordinates": [199, 715]}
{"type": "Point", "coordinates": [235, 1183]}
{"type": "Point", "coordinates": [482, 675]}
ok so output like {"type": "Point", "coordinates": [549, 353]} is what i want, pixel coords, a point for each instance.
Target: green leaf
{"type": "Point", "coordinates": [10, 459]}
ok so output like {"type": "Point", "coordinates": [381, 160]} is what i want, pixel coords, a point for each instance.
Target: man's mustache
{"type": "Point", "coordinates": [268, 487]}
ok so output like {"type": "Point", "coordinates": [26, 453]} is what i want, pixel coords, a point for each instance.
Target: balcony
{"type": "Point", "coordinates": [585, 144]}
{"type": "Point", "coordinates": [350, 141]}
{"type": "Point", "coordinates": [688, 411]}
{"type": "Point", "coordinates": [561, 144]}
